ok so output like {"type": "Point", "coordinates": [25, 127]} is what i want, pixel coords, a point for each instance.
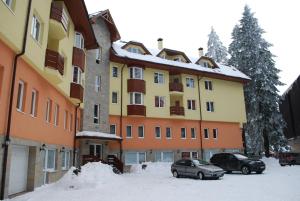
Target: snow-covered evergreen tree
{"type": "Point", "coordinates": [250, 54]}
{"type": "Point", "coordinates": [215, 48]}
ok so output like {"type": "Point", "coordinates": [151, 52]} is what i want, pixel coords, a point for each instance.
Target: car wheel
{"type": "Point", "coordinates": [245, 170]}
{"type": "Point", "coordinates": [200, 176]}
{"type": "Point", "coordinates": [258, 172]}
{"type": "Point", "coordinates": [175, 174]}
{"type": "Point", "coordinates": [282, 165]}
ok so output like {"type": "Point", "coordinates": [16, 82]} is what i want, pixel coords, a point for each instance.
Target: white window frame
{"type": "Point", "coordinates": [159, 77]}
{"type": "Point", "coordinates": [127, 126]}
{"type": "Point", "coordinates": [97, 83]}
{"type": "Point", "coordinates": [66, 120]}
{"type": "Point", "coordinates": [96, 116]}
{"type": "Point", "coordinates": [208, 85]}
{"type": "Point", "coordinates": [184, 133]}
{"type": "Point", "coordinates": [115, 70]}
{"type": "Point", "coordinates": [115, 126]}
{"type": "Point", "coordinates": [71, 122]}
{"type": "Point", "coordinates": [48, 110]}
{"type": "Point", "coordinates": [65, 19]}
{"type": "Point", "coordinates": [162, 156]}
{"type": "Point", "coordinates": [79, 75]}
{"type": "Point", "coordinates": [190, 104]}
{"type": "Point", "coordinates": [137, 157]}
{"type": "Point", "coordinates": [56, 113]}
{"type": "Point", "coordinates": [8, 3]}
{"type": "Point", "coordinates": [36, 32]}
{"type": "Point", "coordinates": [66, 157]}
{"type": "Point", "coordinates": [206, 64]}
{"type": "Point", "coordinates": [33, 103]}
{"type": "Point", "coordinates": [20, 98]}
{"type": "Point", "coordinates": [141, 126]}
{"type": "Point", "coordinates": [206, 129]}
{"type": "Point", "coordinates": [78, 40]}
{"type": "Point", "coordinates": [190, 82]}
{"type": "Point", "coordinates": [156, 133]}
{"type": "Point", "coordinates": [195, 137]}
{"type": "Point", "coordinates": [163, 98]}
{"type": "Point", "coordinates": [170, 132]}
{"type": "Point", "coordinates": [210, 106]}
{"type": "Point", "coordinates": [132, 98]}
{"type": "Point", "coordinates": [98, 54]}
{"type": "Point", "coordinates": [134, 50]}
{"type": "Point", "coordinates": [46, 161]}
{"type": "Point", "coordinates": [132, 73]}
{"type": "Point", "coordinates": [215, 133]}
{"type": "Point", "coordinates": [112, 97]}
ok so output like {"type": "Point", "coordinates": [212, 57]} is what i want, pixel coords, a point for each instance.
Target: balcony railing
{"type": "Point", "coordinates": [76, 91]}
{"type": "Point", "coordinates": [59, 14]}
{"type": "Point", "coordinates": [55, 61]}
{"type": "Point", "coordinates": [139, 110]}
{"type": "Point", "coordinates": [175, 110]}
{"type": "Point", "coordinates": [136, 85]}
{"type": "Point", "coordinates": [78, 58]}
{"type": "Point", "coordinates": [176, 87]}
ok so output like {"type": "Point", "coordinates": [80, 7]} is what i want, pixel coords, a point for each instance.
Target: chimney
{"type": "Point", "coordinates": [200, 51]}
{"type": "Point", "coordinates": [160, 43]}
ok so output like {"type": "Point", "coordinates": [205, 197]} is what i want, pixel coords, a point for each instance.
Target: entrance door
{"type": "Point", "coordinates": [18, 169]}
{"type": "Point", "coordinates": [96, 150]}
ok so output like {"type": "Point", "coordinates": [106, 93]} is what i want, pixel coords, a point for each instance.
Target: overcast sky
{"type": "Point", "coordinates": [184, 25]}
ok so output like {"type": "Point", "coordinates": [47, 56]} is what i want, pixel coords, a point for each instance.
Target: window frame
{"type": "Point", "coordinates": [170, 129]}
{"type": "Point", "coordinates": [46, 168]}
{"type": "Point", "coordinates": [21, 96]}
{"type": "Point", "coordinates": [135, 50]}
{"type": "Point", "coordinates": [132, 98]}
{"type": "Point", "coordinates": [98, 55]}
{"type": "Point", "coordinates": [80, 39]}
{"type": "Point", "coordinates": [158, 76]}
{"type": "Point", "coordinates": [208, 85]}
{"type": "Point", "coordinates": [190, 82]}
{"type": "Point", "coordinates": [97, 83]}
{"type": "Point", "coordinates": [66, 120]}
{"type": "Point", "coordinates": [160, 98]}
{"type": "Point", "coordinates": [48, 110]}
{"type": "Point", "coordinates": [96, 116]}
{"type": "Point", "coordinates": [191, 104]}
{"type": "Point", "coordinates": [137, 155]}
{"type": "Point", "coordinates": [129, 126]}
{"type": "Point", "coordinates": [193, 136]}
{"type": "Point", "coordinates": [215, 133]}
{"type": "Point", "coordinates": [36, 32]}
{"type": "Point", "coordinates": [33, 105]}
{"type": "Point", "coordinates": [56, 114]}
{"type": "Point", "coordinates": [210, 106]}
{"type": "Point", "coordinates": [181, 129]}
{"type": "Point", "coordinates": [79, 75]}
{"type": "Point", "coordinates": [66, 156]}
{"type": "Point", "coordinates": [206, 131]}
{"type": "Point", "coordinates": [10, 5]}
{"type": "Point", "coordinates": [132, 73]}
{"type": "Point", "coordinates": [155, 129]}
{"type": "Point", "coordinates": [143, 130]}
{"type": "Point", "coordinates": [71, 122]}
{"type": "Point", "coordinates": [115, 71]}
{"type": "Point", "coordinates": [112, 97]}
{"type": "Point", "coordinates": [115, 128]}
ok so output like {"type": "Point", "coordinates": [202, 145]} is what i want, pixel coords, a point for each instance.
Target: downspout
{"type": "Point", "coordinates": [121, 115]}
{"type": "Point", "coordinates": [11, 98]}
{"type": "Point", "coordinates": [75, 130]}
{"type": "Point", "coordinates": [200, 109]}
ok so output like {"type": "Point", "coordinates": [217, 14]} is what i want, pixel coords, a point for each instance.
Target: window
{"type": "Point", "coordinates": [136, 98]}
{"type": "Point", "coordinates": [135, 158]}
{"type": "Point", "coordinates": [77, 75]}
{"type": "Point", "coordinates": [168, 133]}
{"type": "Point", "coordinates": [112, 129]}
{"type": "Point", "coordinates": [114, 97]}
{"type": "Point", "coordinates": [178, 59]}
{"type": "Point", "coordinates": [210, 106]}
{"type": "Point", "coordinates": [96, 150]}
{"type": "Point", "coordinates": [79, 40]}
{"type": "Point", "coordinates": [164, 157]}
{"type": "Point", "coordinates": [183, 133]}
{"type": "Point", "coordinates": [36, 28]}
{"type": "Point", "coordinates": [208, 85]}
{"type": "Point", "coordinates": [191, 104]}
{"type": "Point", "coordinates": [56, 114]}
{"type": "Point", "coordinates": [134, 50]}
{"type": "Point", "coordinates": [96, 113]}
{"type": "Point", "coordinates": [206, 133]}
{"type": "Point", "coordinates": [159, 101]}
{"type": "Point", "coordinates": [48, 110]}
{"type": "Point", "coordinates": [189, 155]}
{"type": "Point", "coordinates": [190, 82]}
{"type": "Point", "coordinates": [9, 3]}
{"type": "Point", "coordinates": [71, 122]}
{"type": "Point", "coordinates": [193, 133]}
{"type": "Point", "coordinates": [115, 71]}
{"type": "Point", "coordinates": [215, 133]}
{"type": "Point", "coordinates": [129, 131]}
{"type": "Point", "coordinates": [97, 83]}
{"type": "Point", "coordinates": [157, 132]}
{"type": "Point", "coordinates": [21, 97]}
{"type": "Point", "coordinates": [33, 103]}
{"type": "Point", "coordinates": [65, 160]}
{"type": "Point", "coordinates": [141, 131]}
{"type": "Point", "coordinates": [206, 64]}
{"type": "Point", "coordinates": [159, 78]}
{"type": "Point", "coordinates": [66, 120]}
{"type": "Point", "coordinates": [50, 158]}
{"type": "Point", "coordinates": [98, 55]}
{"type": "Point", "coordinates": [136, 73]}
{"type": "Point", "coordinates": [65, 19]}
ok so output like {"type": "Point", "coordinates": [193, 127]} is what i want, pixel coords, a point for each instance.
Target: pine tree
{"type": "Point", "coordinates": [215, 48]}
{"type": "Point", "coordinates": [250, 54]}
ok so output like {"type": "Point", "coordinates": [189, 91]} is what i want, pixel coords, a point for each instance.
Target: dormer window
{"type": "Point", "coordinates": [134, 50]}
{"type": "Point", "coordinates": [178, 59]}
{"type": "Point", "coordinates": [136, 73]}
{"type": "Point", "coordinates": [79, 40]}
{"type": "Point", "coordinates": [206, 64]}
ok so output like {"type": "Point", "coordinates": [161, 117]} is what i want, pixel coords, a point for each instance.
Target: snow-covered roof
{"type": "Point", "coordinates": [222, 70]}
{"type": "Point", "coordinates": [97, 135]}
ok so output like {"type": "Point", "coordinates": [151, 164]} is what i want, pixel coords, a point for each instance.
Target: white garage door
{"type": "Point", "coordinates": [18, 169]}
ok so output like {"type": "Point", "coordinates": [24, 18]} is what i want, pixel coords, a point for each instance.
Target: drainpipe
{"type": "Point", "coordinates": [121, 115]}
{"type": "Point", "coordinates": [75, 130]}
{"type": "Point", "coordinates": [200, 109]}
{"type": "Point", "coordinates": [11, 98]}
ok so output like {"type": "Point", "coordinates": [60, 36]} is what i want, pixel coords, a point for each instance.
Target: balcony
{"type": "Point", "coordinates": [76, 92]}
{"type": "Point", "coordinates": [78, 58]}
{"type": "Point", "coordinates": [54, 66]}
{"type": "Point", "coordinates": [138, 110]}
{"type": "Point", "coordinates": [176, 110]}
{"type": "Point", "coordinates": [135, 85]}
{"type": "Point", "coordinates": [175, 87]}
{"type": "Point", "coordinates": [59, 21]}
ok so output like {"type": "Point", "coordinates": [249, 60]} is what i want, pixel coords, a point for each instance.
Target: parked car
{"type": "Point", "coordinates": [196, 168]}
{"type": "Point", "coordinates": [289, 158]}
{"type": "Point", "coordinates": [237, 162]}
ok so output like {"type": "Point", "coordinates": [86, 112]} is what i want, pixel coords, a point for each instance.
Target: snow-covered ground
{"type": "Point", "coordinates": [97, 182]}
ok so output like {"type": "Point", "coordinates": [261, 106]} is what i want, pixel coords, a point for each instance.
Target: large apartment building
{"type": "Point", "coordinates": [42, 65]}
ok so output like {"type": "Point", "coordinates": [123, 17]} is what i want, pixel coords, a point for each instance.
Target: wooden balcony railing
{"type": "Point", "coordinates": [55, 61]}
{"type": "Point", "coordinates": [90, 158]}
{"type": "Point", "coordinates": [175, 110]}
{"type": "Point", "coordinates": [175, 87]}
{"type": "Point", "coordinates": [139, 110]}
{"type": "Point", "coordinates": [136, 85]}
{"type": "Point", "coordinates": [57, 13]}
{"type": "Point", "coordinates": [78, 58]}
{"type": "Point", "coordinates": [76, 91]}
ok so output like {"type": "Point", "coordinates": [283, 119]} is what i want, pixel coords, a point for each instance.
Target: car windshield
{"type": "Point", "coordinates": [200, 162]}
{"type": "Point", "coordinates": [240, 156]}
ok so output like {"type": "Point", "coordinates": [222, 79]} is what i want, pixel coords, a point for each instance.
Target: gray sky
{"type": "Point", "coordinates": [184, 25]}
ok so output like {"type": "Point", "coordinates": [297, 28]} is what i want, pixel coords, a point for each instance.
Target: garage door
{"type": "Point", "coordinates": [18, 169]}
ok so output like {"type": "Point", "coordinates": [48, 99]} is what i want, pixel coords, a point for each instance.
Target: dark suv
{"type": "Point", "coordinates": [237, 162]}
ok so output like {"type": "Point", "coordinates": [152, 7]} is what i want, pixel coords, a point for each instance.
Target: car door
{"type": "Point", "coordinates": [180, 167]}
{"type": "Point", "coordinates": [221, 161]}
{"type": "Point", "coordinates": [191, 169]}
{"type": "Point", "coordinates": [232, 162]}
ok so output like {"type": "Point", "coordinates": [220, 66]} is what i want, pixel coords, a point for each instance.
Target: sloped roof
{"type": "Point", "coordinates": [171, 52]}
{"type": "Point", "coordinates": [141, 45]}
{"type": "Point", "coordinates": [207, 58]}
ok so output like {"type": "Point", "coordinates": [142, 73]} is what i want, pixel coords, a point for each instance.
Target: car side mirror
{"type": "Point", "coordinates": [193, 165]}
